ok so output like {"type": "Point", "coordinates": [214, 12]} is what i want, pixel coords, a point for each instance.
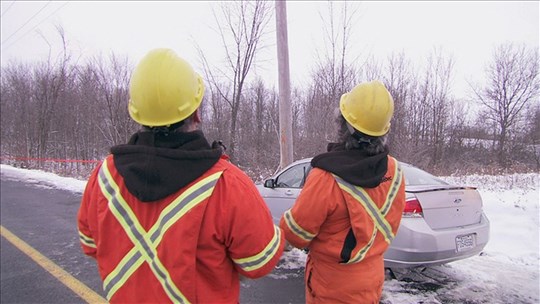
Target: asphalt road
{"type": "Point", "coordinates": [45, 219]}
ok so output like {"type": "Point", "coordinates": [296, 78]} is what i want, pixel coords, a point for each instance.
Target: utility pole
{"type": "Point", "coordinates": [285, 113]}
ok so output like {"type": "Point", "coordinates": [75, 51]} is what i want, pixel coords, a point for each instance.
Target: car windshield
{"type": "Point", "coordinates": [416, 177]}
{"type": "Point", "coordinates": [295, 176]}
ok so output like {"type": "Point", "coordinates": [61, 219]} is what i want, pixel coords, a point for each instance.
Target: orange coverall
{"type": "Point", "coordinates": [345, 262]}
{"type": "Point", "coordinates": [188, 255]}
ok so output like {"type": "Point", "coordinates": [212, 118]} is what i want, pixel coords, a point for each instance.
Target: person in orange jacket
{"type": "Point", "coordinates": [167, 217]}
{"type": "Point", "coordinates": [351, 205]}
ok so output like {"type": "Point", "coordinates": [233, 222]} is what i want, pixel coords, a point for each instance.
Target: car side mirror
{"type": "Point", "coordinates": [269, 183]}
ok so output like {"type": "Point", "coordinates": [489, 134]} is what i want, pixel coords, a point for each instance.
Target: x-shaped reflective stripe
{"type": "Point", "coordinates": [378, 216]}
{"type": "Point", "coordinates": [145, 243]}
{"type": "Point", "coordinates": [371, 208]}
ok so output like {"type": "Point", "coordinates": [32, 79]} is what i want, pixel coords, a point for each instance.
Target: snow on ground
{"type": "Point", "coordinates": [507, 271]}
{"type": "Point", "coordinates": [43, 179]}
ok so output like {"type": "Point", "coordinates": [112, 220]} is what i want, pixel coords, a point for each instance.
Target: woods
{"type": "Point", "coordinates": [64, 108]}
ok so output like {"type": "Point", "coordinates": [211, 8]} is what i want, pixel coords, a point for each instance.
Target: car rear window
{"type": "Point", "coordinates": [415, 177]}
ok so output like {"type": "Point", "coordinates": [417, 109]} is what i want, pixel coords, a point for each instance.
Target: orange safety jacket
{"type": "Point", "coordinates": [347, 229]}
{"type": "Point", "coordinates": [190, 246]}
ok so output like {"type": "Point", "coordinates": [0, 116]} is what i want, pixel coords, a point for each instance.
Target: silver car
{"type": "Point", "coordinates": [441, 223]}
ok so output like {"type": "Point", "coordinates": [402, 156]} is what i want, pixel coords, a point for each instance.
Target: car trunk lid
{"type": "Point", "coordinates": [446, 206]}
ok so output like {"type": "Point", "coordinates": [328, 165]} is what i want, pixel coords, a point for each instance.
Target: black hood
{"type": "Point", "coordinates": [354, 166]}
{"type": "Point", "coordinates": [155, 165]}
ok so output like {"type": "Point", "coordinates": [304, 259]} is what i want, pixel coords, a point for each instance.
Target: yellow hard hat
{"type": "Point", "coordinates": [368, 108]}
{"type": "Point", "coordinates": [164, 89]}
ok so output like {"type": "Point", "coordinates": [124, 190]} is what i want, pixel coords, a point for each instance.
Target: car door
{"type": "Point", "coordinates": [286, 187]}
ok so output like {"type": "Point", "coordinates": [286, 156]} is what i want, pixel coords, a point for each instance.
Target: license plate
{"type": "Point", "coordinates": [465, 242]}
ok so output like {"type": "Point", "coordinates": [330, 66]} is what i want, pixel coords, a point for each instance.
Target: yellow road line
{"type": "Point", "coordinates": [70, 281]}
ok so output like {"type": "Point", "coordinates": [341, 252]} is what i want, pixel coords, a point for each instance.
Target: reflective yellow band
{"type": "Point", "coordinates": [297, 229]}
{"type": "Point", "coordinates": [146, 242]}
{"type": "Point", "coordinates": [118, 277]}
{"type": "Point", "coordinates": [396, 184]}
{"type": "Point", "coordinates": [378, 216]}
{"type": "Point", "coordinates": [86, 240]}
{"type": "Point", "coordinates": [136, 233]}
{"type": "Point", "coordinates": [371, 208]}
{"type": "Point", "coordinates": [262, 258]}
{"type": "Point", "coordinates": [359, 256]}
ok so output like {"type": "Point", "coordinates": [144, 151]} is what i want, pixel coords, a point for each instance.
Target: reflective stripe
{"type": "Point", "coordinates": [259, 260]}
{"type": "Point", "coordinates": [136, 233]}
{"type": "Point", "coordinates": [373, 211]}
{"type": "Point", "coordinates": [145, 243]}
{"type": "Point", "coordinates": [86, 240]}
{"type": "Point", "coordinates": [118, 277]}
{"type": "Point", "coordinates": [378, 216]}
{"type": "Point", "coordinates": [362, 252]}
{"type": "Point", "coordinates": [297, 229]}
{"type": "Point", "coordinates": [396, 183]}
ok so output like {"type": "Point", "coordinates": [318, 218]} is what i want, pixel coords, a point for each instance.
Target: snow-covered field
{"type": "Point", "coordinates": [506, 272]}
{"type": "Point", "coordinates": [508, 269]}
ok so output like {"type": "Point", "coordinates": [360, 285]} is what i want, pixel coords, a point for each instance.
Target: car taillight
{"type": "Point", "coordinates": [412, 208]}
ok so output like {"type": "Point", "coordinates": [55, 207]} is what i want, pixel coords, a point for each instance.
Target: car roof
{"type": "Point", "coordinates": [308, 159]}
{"type": "Point", "coordinates": [304, 160]}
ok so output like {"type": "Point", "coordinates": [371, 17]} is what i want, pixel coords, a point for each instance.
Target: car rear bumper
{"type": "Point", "coordinates": [416, 244]}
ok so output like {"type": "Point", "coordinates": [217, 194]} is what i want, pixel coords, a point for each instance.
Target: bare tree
{"type": "Point", "coordinates": [372, 69]}
{"type": "Point", "coordinates": [51, 79]}
{"type": "Point", "coordinates": [422, 106]}
{"type": "Point", "coordinates": [260, 101]}
{"type": "Point", "coordinates": [215, 114]}
{"type": "Point", "coordinates": [338, 37]}
{"type": "Point", "coordinates": [301, 132]}
{"type": "Point", "coordinates": [244, 22]}
{"type": "Point", "coordinates": [512, 86]}
{"type": "Point", "coordinates": [112, 81]}
{"type": "Point", "coordinates": [534, 134]}
{"type": "Point", "coordinates": [332, 76]}
{"type": "Point", "coordinates": [15, 102]}
{"type": "Point", "coordinates": [437, 83]}
{"type": "Point", "coordinates": [256, 133]}
{"type": "Point", "coordinates": [399, 79]}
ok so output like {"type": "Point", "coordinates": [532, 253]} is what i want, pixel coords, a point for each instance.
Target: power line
{"type": "Point", "coordinates": [26, 22]}
{"type": "Point", "coordinates": [5, 47]}
{"type": "Point", "coordinates": [7, 9]}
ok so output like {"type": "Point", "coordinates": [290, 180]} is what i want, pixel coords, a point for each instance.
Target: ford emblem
{"type": "Point", "coordinates": [457, 201]}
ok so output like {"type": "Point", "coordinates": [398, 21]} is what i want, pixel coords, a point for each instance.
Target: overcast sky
{"type": "Point", "coordinates": [466, 30]}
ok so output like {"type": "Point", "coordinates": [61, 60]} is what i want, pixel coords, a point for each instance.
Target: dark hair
{"type": "Point", "coordinates": [177, 127]}
{"type": "Point", "coordinates": [359, 141]}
